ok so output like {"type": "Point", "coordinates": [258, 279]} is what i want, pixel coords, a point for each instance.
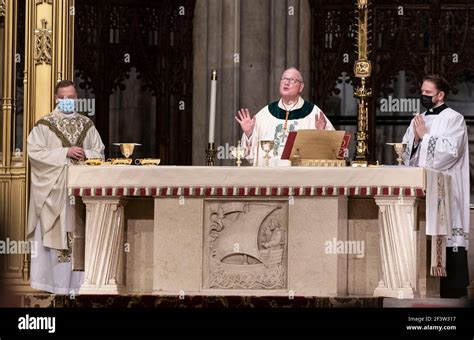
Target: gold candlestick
{"type": "Point", "coordinates": [362, 70]}
{"type": "Point", "coordinates": [210, 154]}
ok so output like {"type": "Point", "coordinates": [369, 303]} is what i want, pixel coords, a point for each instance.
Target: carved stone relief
{"type": "Point", "coordinates": [245, 245]}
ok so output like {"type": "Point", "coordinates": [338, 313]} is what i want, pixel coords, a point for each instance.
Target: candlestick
{"type": "Point", "coordinates": [362, 70]}
{"type": "Point", "coordinates": [212, 109]}
{"type": "Point", "coordinates": [210, 154]}
{"type": "Point", "coordinates": [239, 153]}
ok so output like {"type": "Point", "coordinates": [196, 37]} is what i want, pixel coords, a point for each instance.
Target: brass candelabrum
{"type": "Point", "coordinates": [362, 70]}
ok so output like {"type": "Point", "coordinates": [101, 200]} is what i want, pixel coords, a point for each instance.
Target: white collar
{"type": "Point", "coordinates": [299, 104]}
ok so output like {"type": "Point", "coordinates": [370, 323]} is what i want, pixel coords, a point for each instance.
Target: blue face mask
{"type": "Point", "coordinates": [66, 105]}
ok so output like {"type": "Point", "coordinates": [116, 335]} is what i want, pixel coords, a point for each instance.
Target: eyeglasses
{"type": "Point", "coordinates": [292, 81]}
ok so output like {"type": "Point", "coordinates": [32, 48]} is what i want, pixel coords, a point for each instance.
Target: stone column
{"type": "Point", "coordinates": [214, 42]}
{"type": "Point", "coordinates": [292, 32]}
{"type": "Point", "coordinates": [230, 74]}
{"type": "Point", "coordinates": [304, 64]}
{"type": "Point", "coordinates": [104, 246]}
{"type": "Point", "coordinates": [200, 82]}
{"type": "Point", "coordinates": [290, 41]}
{"type": "Point", "coordinates": [255, 54]}
{"type": "Point", "coordinates": [278, 57]}
{"type": "Point", "coordinates": [399, 247]}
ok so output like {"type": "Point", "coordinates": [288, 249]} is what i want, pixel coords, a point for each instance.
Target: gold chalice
{"type": "Point", "coordinates": [399, 150]}
{"type": "Point", "coordinates": [127, 148]}
{"type": "Point", "coordinates": [267, 146]}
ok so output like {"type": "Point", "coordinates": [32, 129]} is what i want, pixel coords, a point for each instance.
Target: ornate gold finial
{"type": "Point", "coordinates": [43, 44]}
{"type": "Point", "coordinates": [362, 70]}
{"type": "Point", "coordinates": [362, 4]}
{"type": "Point", "coordinates": [3, 8]}
{"type": "Point", "coordinates": [39, 2]}
{"type": "Point", "coordinates": [214, 75]}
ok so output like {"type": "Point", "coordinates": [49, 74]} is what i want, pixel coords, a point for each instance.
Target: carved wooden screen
{"type": "Point", "coordinates": [2, 72]}
{"type": "Point", "coordinates": [112, 37]}
{"type": "Point", "coordinates": [413, 37]}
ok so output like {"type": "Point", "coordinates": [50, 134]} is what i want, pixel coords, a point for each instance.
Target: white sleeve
{"type": "Point", "coordinates": [250, 144]}
{"type": "Point", "coordinates": [441, 152]}
{"type": "Point", "coordinates": [411, 154]}
{"type": "Point", "coordinates": [93, 146]}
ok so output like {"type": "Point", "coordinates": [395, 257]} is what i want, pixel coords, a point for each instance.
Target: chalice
{"type": "Point", "coordinates": [399, 150]}
{"type": "Point", "coordinates": [267, 146]}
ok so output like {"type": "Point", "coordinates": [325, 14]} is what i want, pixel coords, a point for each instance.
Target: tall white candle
{"type": "Point", "coordinates": [212, 110]}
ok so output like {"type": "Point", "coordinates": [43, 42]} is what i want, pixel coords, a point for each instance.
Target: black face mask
{"type": "Point", "coordinates": [427, 101]}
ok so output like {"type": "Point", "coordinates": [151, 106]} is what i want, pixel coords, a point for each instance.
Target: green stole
{"type": "Point", "coordinates": [279, 113]}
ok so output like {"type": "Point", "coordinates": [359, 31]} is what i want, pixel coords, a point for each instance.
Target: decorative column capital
{"type": "Point", "coordinates": [118, 201]}
{"type": "Point", "coordinates": [399, 200]}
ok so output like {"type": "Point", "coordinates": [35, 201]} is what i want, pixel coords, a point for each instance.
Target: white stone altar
{"type": "Point", "coordinates": [296, 231]}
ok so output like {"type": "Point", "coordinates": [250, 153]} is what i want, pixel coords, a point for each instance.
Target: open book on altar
{"type": "Point", "coordinates": [316, 144]}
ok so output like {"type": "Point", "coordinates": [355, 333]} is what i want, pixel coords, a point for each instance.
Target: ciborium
{"type": "Point", "coordinates": [399, 150]}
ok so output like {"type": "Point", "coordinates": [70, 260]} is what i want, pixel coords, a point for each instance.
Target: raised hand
{"type": "Point", "coordinates": [246, 122]}
{"type": "Point", "coordinates": [321, 122]}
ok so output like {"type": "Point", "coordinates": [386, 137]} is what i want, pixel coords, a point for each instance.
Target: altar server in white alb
{"type": "Point", "coordinates": [276, 120]}
{"type": "Point", "coordinates": [438, 139]}
{"type": "Point", "coordinates": [58, 139]}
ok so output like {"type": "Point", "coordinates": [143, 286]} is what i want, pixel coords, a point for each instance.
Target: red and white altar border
{"type": "Point", "coordinates": [237, 191]}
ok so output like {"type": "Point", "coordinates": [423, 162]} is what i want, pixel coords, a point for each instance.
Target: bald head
{"type": "Point", "coordinates": [291, 85]}
{"type": "Point", "coordinates": [294, 72]}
